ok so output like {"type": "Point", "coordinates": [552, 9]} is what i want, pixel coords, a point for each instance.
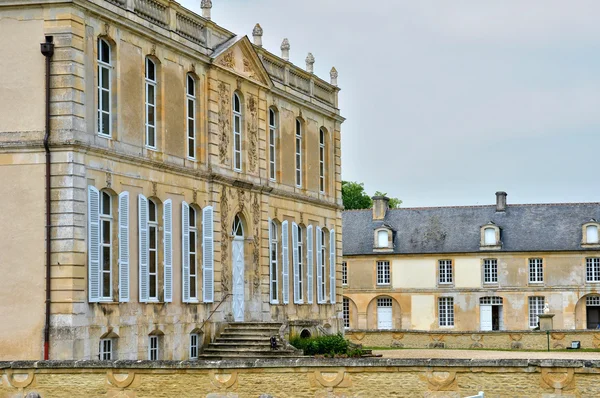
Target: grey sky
{"type": "Point", "coordinates": [448, 102]}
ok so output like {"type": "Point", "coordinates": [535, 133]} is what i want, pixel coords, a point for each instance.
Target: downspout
{"type": "Point", "coordinates": [47, 49]}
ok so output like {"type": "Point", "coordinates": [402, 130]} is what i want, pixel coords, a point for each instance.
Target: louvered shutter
{"type": "Point", "coordinates": [271, 292]}
{"type": "Point", "coordinates": [320, 297]}
{"type": "Point", "coordinates": [124, 246]}
{"type": "Point", "coordinates": [295, 263]}
{"type": "Point", "coordinates": [185, 252]}
{"type": "Point", "coordinates": [144, 247]}
{"type": "Point", "coordinates": [93, 244]}
{"type": "Point", "coordinates": [208, 266]}
{"type": "Point", "coordinates": [309, 264]}
{"type": "Point", "coordinates": [332, 267]}
{"type": "Point", "coordinates": [168, 249]}
{"type": "Point", "coordinates": [285, 262]}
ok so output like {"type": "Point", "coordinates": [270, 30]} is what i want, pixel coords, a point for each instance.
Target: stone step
{"type": "Point", "coordinates": [248, 334]}
{"type": "Point", "coordinates": [243, 340]}
{"type": "Point", "coordinates": [252, 329]}
{"type": "Point", "coordinates": [247, 352]}
{"type": "Point", "coordinates": [270, 324]}
{"type": "Point", "coordinates": [220, 345]}
{"type": "Point", "coordinates": [226, 356]}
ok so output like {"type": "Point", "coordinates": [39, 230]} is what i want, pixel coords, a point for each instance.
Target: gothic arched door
{"type": "Point", "coordinates": [237, 249]}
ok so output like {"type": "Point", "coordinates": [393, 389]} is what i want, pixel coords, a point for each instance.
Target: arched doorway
{"type": "Point", "coordinates": [237, 248]}
{"type": "Point", "coordinates": [592, 312]}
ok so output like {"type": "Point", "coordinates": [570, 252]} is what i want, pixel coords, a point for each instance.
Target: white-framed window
{"type": "Point", "coordinates": [384, 302]}
{"type": "Point", "coordinates": [322, 153]}
{"type": "Point", "coordinates": [382, 238]}
{"type": "Point", "coordinates": [153, 353]}
{"type": "Point", "coordinates": [536, 307]}
{"type": "Point", "coordinates": [300, 296]}
{"type": "Point", "coordinates": [151, 83]}
{"type": "Point", "coordinates": [104, 88]}
{"type": "Point", "coordinates": [346, 312]}
{"type": "Point", "coordinates": [273, 235]}
{"type": "Point", "coordinates": [193, 256]}
{"type": "Point", "coordinates": [152, 250]}
{"type": "Point", "coordinates": [106, 218]}
{"type": "Point", "coordinates": [383, 272]}
{"type": "Point", "coordinates": [272, 144]}
{"type": "Point", "coordinates": [344, 273]}
{"type": "Point", "coordinates": [592, 269]}
{"type": "Point", "coordinates": [445, 272]}
{"type": "Point", "coordinates": [536, 270]}
{"type": "Point", "coordinates": [489, 236]}
{"type": "Point", "coordinates": [237, 133]}
{"type": "Point", "coordinates": [591, 234]}
{"type": "Point", "coordinates": [298, 153]}
{"type": "Point", "coordinates": [190, 95]}
{"type": "Point", "coordinates": [446, 311]}
{"type": "Point", "coordinates": [194, 346]}
{"type": "Point", "coordinates": [490, 270]}
{"type": "Point", "coordinates": [490, 300]}
{"type": "Point", "coordinates": [323, 286]}
{"type": "Point", "coordinates": [592, 301]}
{"type": "Point", "coordinates": [106, 350]}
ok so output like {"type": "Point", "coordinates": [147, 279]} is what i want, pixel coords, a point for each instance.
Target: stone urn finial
{"type": "Point", "coordinates": [257, 33]}
{"type": "Point", "coordinates": [206, 5]}
{"type": "Point", "coordinates": [334, 76]}
{"type": "Point", "coordinates": [310, 62]}
{"type": "Point", "coordinates": [285, 49]}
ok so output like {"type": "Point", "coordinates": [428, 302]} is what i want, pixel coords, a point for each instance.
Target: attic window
{"type": "Point", "coordinates": [592, 234]}
{"type": "Point", "coordinates": [382, 239]}
{"type": "Point", "coordinates": [490, 236]}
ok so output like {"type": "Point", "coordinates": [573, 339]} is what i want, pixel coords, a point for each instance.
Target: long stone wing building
{"type": "Point", "coordinates": [194, 179]}
{"type": "Point", "coordinates": [471, 268]}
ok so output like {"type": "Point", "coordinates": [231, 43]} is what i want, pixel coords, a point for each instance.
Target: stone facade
{"type": "Point", "coordinates": [85, 158]}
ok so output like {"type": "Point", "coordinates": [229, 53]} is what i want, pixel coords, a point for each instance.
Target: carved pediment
{"type": "Point", "coordinates": [241, 59]}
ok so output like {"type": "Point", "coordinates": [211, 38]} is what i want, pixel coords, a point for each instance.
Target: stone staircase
{"type": "Point", "coordinates": [248, 340]}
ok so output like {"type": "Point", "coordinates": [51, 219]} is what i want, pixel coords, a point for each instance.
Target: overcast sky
{"type": "Point", "coordinates": [448, 102]}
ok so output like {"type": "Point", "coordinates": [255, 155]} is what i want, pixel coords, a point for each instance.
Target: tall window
{"type": "Point", "coordinates": [536, 270]}
{"type": "Point", "coordinates": [104, 88]}
{"type": "Point", "coordinates": [592, 266]}
{"type": "Point", "coordinates": [105, 245]}
{"type": "Point", "coordinates": [446, 311]}
{"type": "Point", "coordinates": [489, 236]}
{"type": "Point", "coordinates": [106, 350]}
{"type": "Point", "coordinates": [153, 348]}
{"type": "Point", "coordinates": [300, 265]}
{"type": "Point", "coordinates": [193, 254]}
{"type": "Point", "coordinates": [490, 270]}
{"type": "Point", "coordinates": [272, 143]}
{"type": "Point", "coordinates": [153, 250]}
{"type": "Point", "coordinates": [237, 133]}
{"type": "Point", "coordinates": [273, 251]}
{"type": "Point", "coordinates": [591, 233]}
{"type": "Point", "coordinates": [298, 153]}
{"type": "Point", "coordinates": [536, 307]}
{"type": "Point", "coordinates": [346, 312]}
{"type": "Point", "coordinates": [151, 81]}
{"type": "Point", "coordinates": [382, 239]}
{"type": "Point", "coordinates": [191, 116]}
{"type": "Point", "coordinates": [383, 272]}
{"type": "Point", "coordinates": [445, 272]}
{"type": "Point", "coordinates": [323, 286]}
{"type": "Point", "coordinates": [322, 161]}
{"type": "Point", "coordinates": [193, 346]}
{"type": "Point", "coordinates": [344, 273]}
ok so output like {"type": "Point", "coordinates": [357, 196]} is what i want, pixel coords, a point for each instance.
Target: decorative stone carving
{"type": "Point", "coordinates": [252, 128]}
{"type": "Point", "coordinates": [256, 242]}
{"type": "Point", "coordinates": [19, 378]}
{"type": "Point", "coordinates": [249, 70]}
{"type": "Point", "coordinates": [330, 379]}
{"type": "Point", "coordinates": [257, 33]}
{"type": "Point", "coordinates": [108, 180]}
{"type": "Point", "coordinates": [333, 74]}
{"type": "Point", "coordinates": [153, 50]}
{"type": "Point", "coordinates": [224, 241]}
{"type": "Point", "coordinates": [154, 188]}
{"type": "Point", "coordinates": [285, 49]}
{"type": "Point", "coordinates": [310, 62]}
{"type": "Point", "coordinates": [224, 122]}
{"type": "Point", "coordinates": [546, 308]}
{"type": "Point", "coordinates": [120, 380]}
{"type": "Point", "coordinates": [223, 379]}
{"type": "Point", "coordinates": [441, 381]}
{"type": "Point", "coordinates": [228, 60]}
{"type": "Point", "coordinates": [241, 199]}
{"type": "Point", "coordinates": [558, 379]}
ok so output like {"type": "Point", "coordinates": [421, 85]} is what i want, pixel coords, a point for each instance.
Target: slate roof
{"type": "Point", "coordinates": [535, 227]}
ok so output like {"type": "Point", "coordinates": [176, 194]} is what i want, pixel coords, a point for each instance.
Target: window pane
{"type": "Point", "coordinates": [238, 161]}
{"type": "Point", "coordinates": [150, 70]}
{"type": "Point", "coordinates": [153, 285]}
{"type": "Point", "coordinates": [191, 148]}
{"type": "Point", "coordinates": [106, 258]}
{"type": "Point", "coordinates": [193, 242]}
{"type": "Point", "coordinates": [150, 98]}
{"type": "Point", "coordinates": [236, 122]}
{"type": "Point", "coordinates": [592, 234]}
{"type": "Point", "coordinates": [382, 238]}
{"type": "Point", "coordinates": [105, 203]}
{"type": "Point", "coordinates": [151, 139]}
{"type": "Point", "coordinates": [238, 144]}
{"type": "Point", "coordinates": [105, 284]}
{"type": "Point", "coordinates": [105, 123]}
{"type": "Point", "coordinates": [490, 236]}
{"type": "Point", "coordinates": [152, 238]}
{"type": "Point", "coordinates": [106, 232]}
{"type": "Point", "coordinates": [104, 52]}
{"type": "Point", "coordinates": [105, 77]}
{"type": "Point", "coordinates": [190, 110]}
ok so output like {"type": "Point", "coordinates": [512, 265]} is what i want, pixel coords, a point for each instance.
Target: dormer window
{"type": "Point", "coordinates": [490, 237]}
{"type": "Point", "coordinates": [590, 234]}
{"type": "Point", "coordinates": [382, 239]}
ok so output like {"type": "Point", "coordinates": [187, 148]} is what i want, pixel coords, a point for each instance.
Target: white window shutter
{"type": "Point", "coordinates": [285, 262]}
{"type": "Point", "coordinates": [332, 267]}
{"type": "Point", "coordinates": [320, 297]}
{"type": "Point", "coordinates": [208, 260]}
{"type": "Point", "coordinates": [168, 249]}
{"type": "Point", "coordinates": [309, 264]}
{"type": "Point", "coordinates": [185, 252]}
{"type": "Point", "coordinates": [124, 246]}
{"type": "Point", "coordinates": [295, 263]}
{"type": "Point", "coordinates": [144, 247]}
{"type": "Point", "coordinates": [93, 244]}
{"type": "Point", "coordinates": [270, 267]}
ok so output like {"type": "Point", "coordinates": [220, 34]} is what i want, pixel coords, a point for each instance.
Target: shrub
{"type": "Point", "coordinates": [322, 345]}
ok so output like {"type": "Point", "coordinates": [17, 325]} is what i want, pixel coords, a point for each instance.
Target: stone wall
{"type": "Point", "coordinates": [307, 377]}
{"type": "Point", "coordinates": [505, 340]}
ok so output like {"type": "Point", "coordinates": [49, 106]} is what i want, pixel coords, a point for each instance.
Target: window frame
{"type": "Point", "coordinates": [322, 159]}
{"type": "Point", "coordinates": [274, 264]}
{"type": "Point", "coordinates": [536, 264]}
{"type": "Point", "coordinates": [324, 255]}
{"type": "Point", "coordinates": [383, 273]}
{"type": "Point", "coordinates": [273, 144]}
{"type": "Point", "coordinates": [346, 312]}
{"type": "Point", "coordinates": [153, 349]}
{"type": "Point", "coordinates": [533, 315]}
{"type": "Point", "coordinates": [445, 272]}
{"type": "Point", "coordinates": [298, 153]}
{"type": "Point", "coordinates": [446, 317]}
{"type": "Point", "coordinates": [491, 277]}
{"type": "Point", "coordinates": [106, 222]}
{"type": "Point", "coordinates": [156, 226]}
{"type": "Point", "coordinates": [154, 84]}
{"type": "Point", "coordinates": [190, 103]}
{"type": "Point", "coordinates": [592, 269]}
{"type": "Point", "coordinates": [301, 254]}
{"type": "Point", "coordinates": [105, 354]}
{"type": "Point", "coordinates": [344, 273]}
{"type": "Point", "coordinates": [103, 65]}
{"type": "Point", "coordinates": [491, 235]}
{"type": "Point", "coordinates": [194, 346]}
{"type": "Point", "coordinates": [237, 133]}
{"type": "Point", "coordinates": [193, 251]}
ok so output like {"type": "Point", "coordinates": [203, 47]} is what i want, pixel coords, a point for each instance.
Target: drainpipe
{"type": "Point", "coordinates": [47, 49]}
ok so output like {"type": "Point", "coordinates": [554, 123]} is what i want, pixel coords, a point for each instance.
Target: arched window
{"type": "Point", "coordinates": [193, 253]}
{"type": "Point", "coordinates": [152, 250]}
{"type": "Point", "coordinates": [382, 238]}
{"type": "Point", "coordinates": [191, 116]}
{"type": "Point", "coordinates": [237, 133]}
{"type": "Point", "coordinates": [322, 160]}
{"type": "Point", "coordinates": [272, 144]}
{"type": "Point", "coordinates": [237, 229]}
{"type": "Point", "coordinates": [104, 88]}
{"type": "Point", "coordinates": [151, 83]}
{"type": "Point", "coordinates": [592, 234]}
{"type": "Point", "coordinates": [490, 236]}
{"type": "Point", "coordinates": [298, 153]}
{"type": "Point", "coordinates": [106, 217]}
{"type": "Point", "coordinates": [273, 234]}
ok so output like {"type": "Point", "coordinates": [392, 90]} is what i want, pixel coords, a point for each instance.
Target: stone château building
{"type": "Point", "coordinates": [191, 171]}
{"type": "Point", "coordinates": [471, 268]}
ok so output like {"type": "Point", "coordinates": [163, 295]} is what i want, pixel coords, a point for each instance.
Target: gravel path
{"type": "Point", "coordinates": [484, 354]}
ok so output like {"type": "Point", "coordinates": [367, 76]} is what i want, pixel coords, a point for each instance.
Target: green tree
{"type": "Point", "coordinates": [394, 202]}
{"type": "Point", "coordinates": [354, 196]}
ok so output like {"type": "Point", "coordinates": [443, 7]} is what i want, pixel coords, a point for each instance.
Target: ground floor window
{"type": "Point", "coordinates": [153, 348]}
{"type": "Point", "coordinates": [536, 307]}
{"type": "Point", "coordinates": [106, 350]}
{"type": "Point", "coordinates": [346, 312]}
{"type": "Point", "coordinates": [592, 312]}
{"type": "Point", "coordinates": [193, 346]}
{"type": "Point", "coordinates": [446, 311]}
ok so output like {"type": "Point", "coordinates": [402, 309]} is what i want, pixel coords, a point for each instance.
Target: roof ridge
{"type": "Point", "coordinates": [492, 205]}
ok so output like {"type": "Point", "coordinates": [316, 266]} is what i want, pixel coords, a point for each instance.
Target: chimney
{"type": "Point", "coordinates": [285, 49]}
{"type": "Point", "coordinates": [257, 33]}
{"type": "Point", "coordinates": [206, 5]}
{"type": "Point", "coordinates": [380, 206]}
{"type": "Point", "coordinates": [501, 201]}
